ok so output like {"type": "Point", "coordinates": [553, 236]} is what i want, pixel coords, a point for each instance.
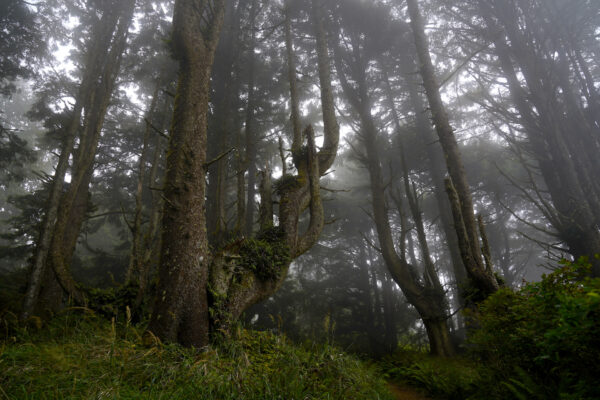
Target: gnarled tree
{"type": "Point", "coordinates": [199, 290]}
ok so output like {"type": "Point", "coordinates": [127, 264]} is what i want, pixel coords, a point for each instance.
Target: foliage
{"type": "Point", "coordinates": [542, 341]}
{"type": "Point", "coordinates": [266, 255]}
{"type": "Point", "coordinates": [84, 357]}
{"type": "Point", "coordinates": [447, 378]}
{"type": "Point", "coordinates": [109, 302]}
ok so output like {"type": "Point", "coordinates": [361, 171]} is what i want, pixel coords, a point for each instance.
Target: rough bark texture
{"type": "Point", "coordinates": [472, 258]}
{"type": "Point", "coordinates": [181, 310]}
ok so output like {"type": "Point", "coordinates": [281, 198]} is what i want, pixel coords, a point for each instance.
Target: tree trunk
{"type": "Point", "coordinates": [181, 310]}
{"type": "Point", "coordinates": [97, 52]}
{"type": "Point", "coordinates": [464, 215]}
{"type": "Point", "coordinates": [70, 214]}
{"type": "Point", "coordinates": [427, 298]}
{"type": "Point", "coordinates": [251, 140]}
{"type": "Point", "coordinates": [294, 102]}
{"type": "Point", "coordinates": [226, 96]}
{"type": "Point", "coordinates": [136, 252]}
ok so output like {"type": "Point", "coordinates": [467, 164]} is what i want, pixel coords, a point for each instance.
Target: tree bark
{"type": "Point", "coordinates": [181, 309]}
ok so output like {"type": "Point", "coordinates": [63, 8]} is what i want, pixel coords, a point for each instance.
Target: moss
{"type": "Point", "coordinates": [287, 183]}
{"type": "Point", "coordinates": [266, 255]}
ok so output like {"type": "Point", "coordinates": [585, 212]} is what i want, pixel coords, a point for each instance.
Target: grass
{"type": "Point", "coordinates": [86, 357]}
{"type": "Point", "coordinates": [444, 378]}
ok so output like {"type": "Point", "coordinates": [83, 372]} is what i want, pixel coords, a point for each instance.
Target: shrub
{"type": "Point", "coordinates": [543, 341]}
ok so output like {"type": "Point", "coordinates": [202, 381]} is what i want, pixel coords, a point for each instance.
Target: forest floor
{"type": "Point", "coordinates": [87, 357]}
{"type": "Point", "coordinates": [402, 392]}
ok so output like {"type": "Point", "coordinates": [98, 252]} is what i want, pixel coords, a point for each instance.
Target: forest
{"type": "Point", "coordinates": [299, 199]}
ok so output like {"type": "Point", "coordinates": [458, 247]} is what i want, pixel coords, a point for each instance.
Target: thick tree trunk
{"type": "Point", "coordinates": [237, 282]}
{"type": "Point", "coordinates": [181, 310]}
{"type": "Point", "coordinates": [439, 337]}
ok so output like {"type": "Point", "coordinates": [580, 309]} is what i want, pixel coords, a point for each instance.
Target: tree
{"type": "Point", "coordinates": [424, 292]}
{"type": "Point", "coordinates": [481, 275]}
{"type": "Point", "coordinates": [556, 100]}
{"type": "Point", "coordinates": [192, 279]}
{"type": "Point", "coordinates": [65, 210]}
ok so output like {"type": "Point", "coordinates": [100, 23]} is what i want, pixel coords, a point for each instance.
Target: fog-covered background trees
{"type": "Point", "coordinates": [346, 170]}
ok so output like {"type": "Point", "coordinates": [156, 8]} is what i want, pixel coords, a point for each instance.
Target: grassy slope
{"type": "Point", "coordinates": [79, 357]}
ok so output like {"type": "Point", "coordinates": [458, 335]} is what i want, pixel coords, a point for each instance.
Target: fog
{"type": "Point", "coordinates": [344, 171]}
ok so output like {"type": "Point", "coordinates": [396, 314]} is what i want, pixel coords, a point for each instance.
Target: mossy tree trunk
{"type": "Point", "coordinates": [250, 270]}
{"type": "Point", "coordinates": [180, 311]}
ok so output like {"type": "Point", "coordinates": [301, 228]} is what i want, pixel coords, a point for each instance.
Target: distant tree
{"type": "Point", "coordinates": [553, 46]}
{"type": "Point", "coordinates": [66, 208]}
{"type": "Point", "coordinates": [479, 270]}
{"type": "Point", "coordinates": [425, 291]}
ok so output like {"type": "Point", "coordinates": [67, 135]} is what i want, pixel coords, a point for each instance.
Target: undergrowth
{"type": "Point", "coordinates": [538, 342]}
{"type": "Point", "coordinates": [444, 378]}
{"type": "Point", "coordinates": [87, 357]}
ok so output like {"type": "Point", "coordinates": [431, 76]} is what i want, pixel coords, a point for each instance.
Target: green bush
{"type": "Point", "coordinates": [543, 341]}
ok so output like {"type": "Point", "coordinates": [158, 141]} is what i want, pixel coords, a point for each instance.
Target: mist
{"type": "Point", "coordinates": [386, 177]}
